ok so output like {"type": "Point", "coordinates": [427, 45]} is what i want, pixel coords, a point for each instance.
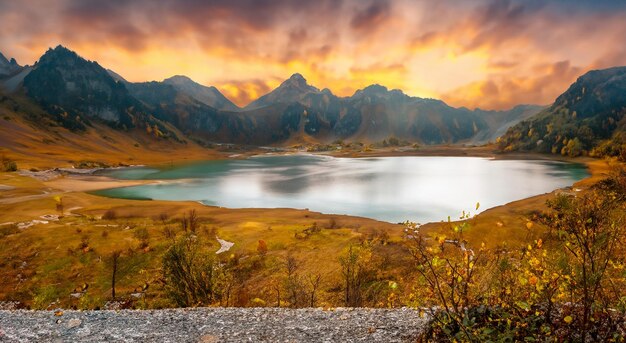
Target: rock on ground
{"type": "Point", "coordinates": [213, 325]}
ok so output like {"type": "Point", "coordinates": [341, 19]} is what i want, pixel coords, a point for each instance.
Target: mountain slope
{"type": "Point", "coordinates": [62, 78]}
{"type": "Point", "coordinates": [291, 90]}
{"type": "Point", "coordinates": [80, 93]}
{"type": "Point", "coordinates": [500, 121]}
{"type": "Point", "coordinates": [588, 116]}
{"type": "Point", "coordinates": [209, 96]}
{"type": "Point", "coordinates": [36, 138]}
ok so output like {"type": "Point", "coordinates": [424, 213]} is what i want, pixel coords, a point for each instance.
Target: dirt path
{"type": "Point", "coordinates": [224, 245]}
{"type": "Point", "coordinates": [14, 200]}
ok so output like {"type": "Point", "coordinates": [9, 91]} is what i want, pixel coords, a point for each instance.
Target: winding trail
{"type": "Point", "coordinates": [224, 245]}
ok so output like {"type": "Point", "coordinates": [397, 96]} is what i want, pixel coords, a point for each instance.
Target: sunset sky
{"type": "Point", "coordinates": [488, 54]}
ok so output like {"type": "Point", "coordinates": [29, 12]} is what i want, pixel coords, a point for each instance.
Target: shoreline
{"type": "Point", "coordinates": [108, 222]}
{"type": "Point", "coordinates": [88, 182]}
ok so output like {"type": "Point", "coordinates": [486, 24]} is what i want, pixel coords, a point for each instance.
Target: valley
{"type": "Point", "coordinates": [58, 238]}
{"type": "Point", "coordinates": [304, 171]}
{"type": "Point", "coordinates": [76, 249]}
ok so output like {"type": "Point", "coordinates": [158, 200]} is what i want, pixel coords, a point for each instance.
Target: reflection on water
{"type": "Point", "coordinates": [393, 189]}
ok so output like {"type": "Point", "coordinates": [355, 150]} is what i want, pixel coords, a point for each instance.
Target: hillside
{"type": "Point", "coordinates": [588, 118]}
{"type": "Point", "coordinates": [81, 92]}
{"type": "Point", "coordinates": [209, 96]}
{"type": "Point", "coordinates": [39, 139]}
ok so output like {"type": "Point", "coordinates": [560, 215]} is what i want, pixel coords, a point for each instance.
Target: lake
{"type": "Point", "coordinates": [393, 189]}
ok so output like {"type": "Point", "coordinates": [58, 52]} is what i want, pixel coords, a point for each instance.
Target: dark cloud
{"type": "Point", "coordinates": [369, 18]}
{"type": "Point", "coordinates": [502, 20]}
{"type": "Point", "coordinates": [92, 12]}
{"type": "Point", "coordinates": [504, 51]}
{"type": "Point", "coordinates": [237, 25]}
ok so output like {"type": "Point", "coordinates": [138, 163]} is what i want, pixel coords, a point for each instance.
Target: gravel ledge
{"type": "Point", "coordinates": [213, 325]}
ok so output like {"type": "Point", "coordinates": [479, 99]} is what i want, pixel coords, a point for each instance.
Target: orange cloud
{"type": "Point", "coordinates": [244, 92]}
{"type": "Point", "coordinates": [484, 53]}
{"type": "Point", "coordinates": [501, 92]}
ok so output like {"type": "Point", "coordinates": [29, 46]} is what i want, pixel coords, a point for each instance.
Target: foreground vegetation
{"type": "Point", "coordinates": [524, 271]}
{"type": "Point", "coordinates": [99, 246]}
{"type": "Point", "coordinates": [566, 284]}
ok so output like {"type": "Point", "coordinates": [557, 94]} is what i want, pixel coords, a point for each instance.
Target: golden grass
{"type": "Point", "coordinates": [50, 255]}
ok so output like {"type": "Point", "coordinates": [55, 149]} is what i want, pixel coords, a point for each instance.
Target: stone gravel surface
{"type": "Point", "coordinates": [213, 325]}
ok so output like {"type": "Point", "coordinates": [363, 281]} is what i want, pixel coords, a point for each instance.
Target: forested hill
{"type": "Point", "coordinates": [587, 119]}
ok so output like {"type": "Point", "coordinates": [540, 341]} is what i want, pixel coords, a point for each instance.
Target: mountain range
{"type": "Point", "coordinates": [77, 93]}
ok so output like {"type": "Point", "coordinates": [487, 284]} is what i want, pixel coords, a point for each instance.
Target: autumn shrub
{"type": "Point", "coordinates": [142, 235]}
{"type": "Point", "coordinates": [357, 272]}
{"type": "Point", "coordinates": [296, 288]}
{"type": "Point", "coordinates": [8, 229]}
{"type": "Point", "coordinates": [261, 248]}
{"type": "Point", "coordinates": [190, 222]}
{"type": "Point", "coordinates": [109, 215]}
{"type": "Point", "coordinates": [84, 242]}
{"type": "Point", "coordinates": [44, 297]}
{"type": "Point", "coordinates": [192, 276]}
{"type": "Point", "coordinates": [591, 231]}
{"type": "Point", "coordinates": [565, 285]}
{"type": "Point", "coordinates": [7, 164]}
{"type": "Point", "coordinates": [169, 233]}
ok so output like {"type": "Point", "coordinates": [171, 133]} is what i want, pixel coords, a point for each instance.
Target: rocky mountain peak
{"type": "Point", "coordinates": [297, 78]}
{"type": "Point", "coordinates": [372, 90]}
{"type": "Point", "coordinates": [179, 79]}
{"type": "Point", "coordinates": [294, 89]}
{"type": "Point", "coordinates": [8, 67]}
{"type": "Point", "coordinates": [210, 96]}
{"type": "Point", "coordinates": [59, 54]}
{"type": "Point", "coordinates": [3, 60]}
{"type": "Point", "coordinates": [297, 81]}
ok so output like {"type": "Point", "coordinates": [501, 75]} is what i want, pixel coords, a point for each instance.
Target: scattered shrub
{"type": "Point", "coordinates": [84, 242]}
{"type": "Point", "coordinates": [7, 230]}
{"type": "Point", "coordinates": [109, 215]}
{"type": "Point", "coordinates": [44, 296]}
{"type": "Point", "coordinates": [7, 164]}
{"type": "Point", "coordinates": [262, 248]}
{"type": "Point", "coordinates": [169, 233]}
{"type": "Point", "coordinates": [190, 222]}
{"type": "Point", "coordinates": [163, 217]}
{"type": "Point", "coordinates": [143, 236]}
{"type": "Point", "coordinates": [91, 165]}
{"type": "Point", "coordinates": [190, 273]}
{"type": "Point", "coordinates": [332, 224]}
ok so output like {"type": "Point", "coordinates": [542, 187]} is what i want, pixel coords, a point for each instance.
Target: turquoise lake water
{"type": "Point", "coordinates": [393, 189]}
